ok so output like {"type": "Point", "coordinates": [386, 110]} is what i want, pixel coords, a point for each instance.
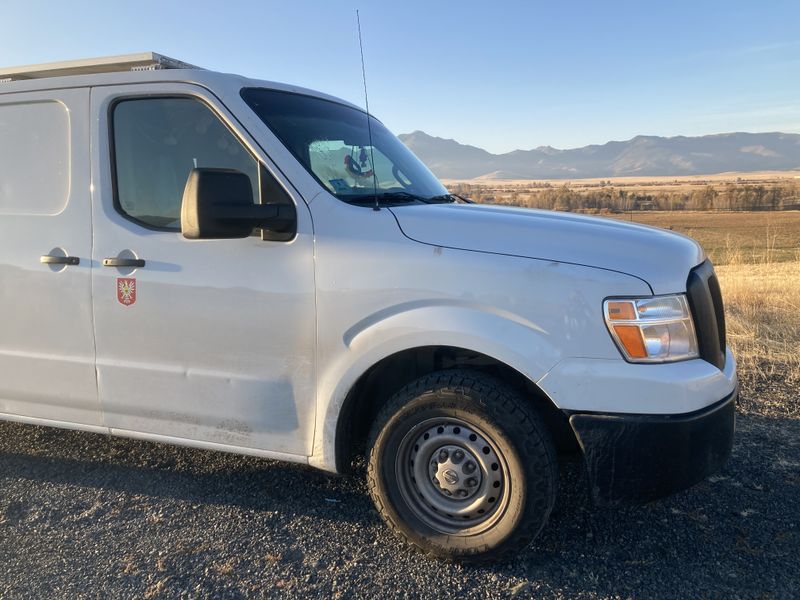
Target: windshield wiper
{"type": "Point", "coordinates": [443, 199]}
{"type": "Point", "coordinates": [384, 198]}
{"type": "Point", "coordinates": [400, 197]}
{"type": "Point", "coordinates": [404, 196]}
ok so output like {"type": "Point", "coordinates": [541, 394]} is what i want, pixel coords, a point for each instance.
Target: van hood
{"type": "Point", "coordinates": [661, 258]}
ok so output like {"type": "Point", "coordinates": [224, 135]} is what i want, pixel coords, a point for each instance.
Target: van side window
{"type": "Point", "coordinates": [34, 158]}
{"type": "Point", "coordinates": [156, 143]}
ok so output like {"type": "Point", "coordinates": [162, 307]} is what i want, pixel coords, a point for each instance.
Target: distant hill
{"type": "Point", "coordinates": [641, 156]}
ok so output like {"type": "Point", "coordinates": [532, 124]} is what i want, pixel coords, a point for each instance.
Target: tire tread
{"type": "Point", "coordinates": [505, 406]}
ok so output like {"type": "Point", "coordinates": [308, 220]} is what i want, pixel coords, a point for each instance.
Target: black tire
{"type": "Point", "coordinates": [436, 501]}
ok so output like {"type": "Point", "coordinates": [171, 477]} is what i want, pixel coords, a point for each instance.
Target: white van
{"type": "Point", "coordinates": [203, 259]}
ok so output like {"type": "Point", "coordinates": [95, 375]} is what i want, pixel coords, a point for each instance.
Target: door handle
{"type": "Point", "coordinates": [48, 259]}
{"type": "Point", "coordinates": [123, 262]}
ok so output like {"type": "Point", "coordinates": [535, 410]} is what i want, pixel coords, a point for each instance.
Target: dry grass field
{"type": "Point", "coordinates": [646, 183]}
{"type": "Point", "coordinates": [757, 258]}
{"type": "Point", "coordinates": [763, 317]}
{"type": "Point", "coordinates": [648, 180]}
{"type": "Point", "coordinates": [733, 237]}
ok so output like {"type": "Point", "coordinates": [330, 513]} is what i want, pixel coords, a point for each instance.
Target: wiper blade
{"type": "Point", "coordinates": [404, 196]}
{"type": "Point", "coordinates": [443, 199]}
{"type": "Point", "coordinates": [400, 197]}
{"type": "Point", "coordinates": [385, 198]}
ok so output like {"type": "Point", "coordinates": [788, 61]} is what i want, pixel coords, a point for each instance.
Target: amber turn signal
{"type": "Point", "coordinates": [621, 310]}
{"type": "Point", "coordinates": [630, 336]}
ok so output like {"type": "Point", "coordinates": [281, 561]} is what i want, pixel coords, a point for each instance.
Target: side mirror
{"type": "Point", "coordinates": [218, 204]}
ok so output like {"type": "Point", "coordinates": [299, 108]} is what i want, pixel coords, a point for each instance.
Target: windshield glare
{"type": "Point", "coordinates": [332, 141]}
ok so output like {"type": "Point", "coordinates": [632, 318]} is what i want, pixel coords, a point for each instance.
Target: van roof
{"type": "Point", "coordinates": [143, 61]}
{"type": "Point", "coordinates": [145, 67]}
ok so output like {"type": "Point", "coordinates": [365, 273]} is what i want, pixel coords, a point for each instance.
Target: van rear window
{"type": "Point", "coordinates": [34, 158]}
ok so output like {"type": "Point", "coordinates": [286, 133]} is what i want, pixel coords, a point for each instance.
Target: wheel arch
{"type": "Point", "coordinates": [375, 386]}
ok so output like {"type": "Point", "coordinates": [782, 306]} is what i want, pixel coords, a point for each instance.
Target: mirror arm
{"type": "Point", "coordinates": [277, 217]}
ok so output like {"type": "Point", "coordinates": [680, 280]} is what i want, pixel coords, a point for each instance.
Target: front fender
{"type": "Point", "coordinates": [508, 338]}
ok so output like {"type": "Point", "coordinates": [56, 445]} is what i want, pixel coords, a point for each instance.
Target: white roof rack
{"type": "Point", "coordinates": [144, 61]}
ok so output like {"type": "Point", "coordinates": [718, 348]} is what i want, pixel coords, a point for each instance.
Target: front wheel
{"type": "Point", "coordinates": [461, 467]}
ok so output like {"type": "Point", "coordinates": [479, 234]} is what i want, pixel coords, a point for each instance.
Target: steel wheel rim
{"type": "Point", "coordinates": [435, 481]}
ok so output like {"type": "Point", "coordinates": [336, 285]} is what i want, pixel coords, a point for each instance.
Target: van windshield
{"type": "Point", "coordinates": [332, 141]}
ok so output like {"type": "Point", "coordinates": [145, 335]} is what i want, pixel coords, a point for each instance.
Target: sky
{"type": "Point", "coordinates": [498, 75]}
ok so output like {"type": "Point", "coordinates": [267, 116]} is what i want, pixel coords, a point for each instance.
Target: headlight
{"type": "Point", "coordinates": [655, 329]}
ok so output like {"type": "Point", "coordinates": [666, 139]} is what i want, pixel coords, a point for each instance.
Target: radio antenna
{"type": "Point", "coordinates": [369, 123]}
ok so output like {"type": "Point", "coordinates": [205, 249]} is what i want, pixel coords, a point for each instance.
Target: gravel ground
{"type": "Point", "coordinates": [84, 515]}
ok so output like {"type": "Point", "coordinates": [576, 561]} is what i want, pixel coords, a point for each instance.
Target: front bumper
{"type": "Point", "coordinates": [639, 458]}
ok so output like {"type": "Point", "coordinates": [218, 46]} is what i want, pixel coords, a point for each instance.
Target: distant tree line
{"type": "Point", "coordinates": [605, 197]}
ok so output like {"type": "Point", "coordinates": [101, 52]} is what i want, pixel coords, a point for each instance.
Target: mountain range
{"type": "Point", "coordinates": [644, 155]}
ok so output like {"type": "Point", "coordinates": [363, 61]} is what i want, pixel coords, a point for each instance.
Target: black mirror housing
{"type": "Point", "coordinates": [207, 195]}
{"type": "Point", "coordinates": [218, 204]}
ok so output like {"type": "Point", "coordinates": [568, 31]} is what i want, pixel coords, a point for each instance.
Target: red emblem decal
{"type": "Point", "coordinates": [126, 290]}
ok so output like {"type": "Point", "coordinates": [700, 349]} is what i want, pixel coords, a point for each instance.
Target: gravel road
{"type": "Point", "coordinates": [83, 515]}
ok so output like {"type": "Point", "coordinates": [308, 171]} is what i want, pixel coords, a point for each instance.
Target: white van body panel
{"type": "Point", "coordinates": [47, 341]}
{"type": "Point", "coordinates": [616, 386]}
{"type": "Point", "coordinates": [219, 344]}
{"type": "Point", "coordinates": [661, 258]}
{"type": "Point", "coordinates": [528, 314]}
